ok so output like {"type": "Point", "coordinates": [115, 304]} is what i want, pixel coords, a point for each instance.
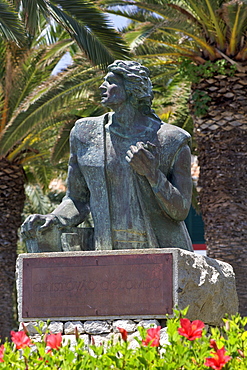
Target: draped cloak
{"type": "Point", "coordinates": [127, 211]}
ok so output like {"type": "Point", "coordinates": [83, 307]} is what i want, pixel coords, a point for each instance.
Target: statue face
{"type": "Point", "coordinates": [112, 90]}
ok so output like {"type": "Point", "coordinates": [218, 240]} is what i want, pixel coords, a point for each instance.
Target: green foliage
{"type": "Point", "coordinates": [194, 73]}
{"type": "Point", "coordinates": [11, 27]}
{"type": "Point", "coordinates": [40, 104]}
{"type": "Point", "coordinates": [37, 201]}
{"type": "Point", "coordinates": [20, 21]}
{"type": "Point", "coordinates": [200, 100]}
{"type": "Point", "coordinates": [189, 71]}
{"type": "Point", "coordinates": [179, 353]}
{"type": "Point", "coordinates": [199, 30]}
{"type": "Point", "coordinates": [170, 101]}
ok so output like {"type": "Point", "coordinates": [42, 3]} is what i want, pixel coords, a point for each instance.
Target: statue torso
{"type": "Point", "coordinates": [112, 182]}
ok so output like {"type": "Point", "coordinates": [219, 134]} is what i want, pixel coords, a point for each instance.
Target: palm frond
{"type": "Point", "coordinates": [61, 147]}
{"type": "Point", "coordinates": [199, 9]}
{"type": "Point", "coordinates": [175, 100]}
{"type": "Point", "coordinates": [178, 30]}
{"type": "Point", "coordinates": [37, 201]}
{"type": "Point", "coordinates": [235, 17]}
{"type": "Point", "coordinates": [156, 43]}
{"type": "Point", "coordinates": [137, 11]}
{"type": "Point", "coordinates": [217, 24]}
{"type": "Point", "coordinates": [43, 103]}
{"type": "Point", "coordinates": [11, 27]}
{"type": "Point", "coordinates": [88, 26]}
{"type": "Point", "coordinates": [235, 33]}
{"type": "Point", "coordinates": [43, 173]}
{"type": "Point", "coordinates": [207, 27]}
{"type": "Point", "coordinates": [23, 80]}
{"type": "Point", "coordinates": [36, 67]}
{"type": "Point", "coordinates": [30, 15]}
{"type": "Point", "coordinates": [3, 48]}
{"type": "Point", "coordinates": [56, 50]}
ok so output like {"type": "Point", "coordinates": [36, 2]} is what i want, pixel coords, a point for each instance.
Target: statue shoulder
{"type": "Point", "coordinates": [170, 134]}
{"type": "Point", "coordinates": [88, 126]}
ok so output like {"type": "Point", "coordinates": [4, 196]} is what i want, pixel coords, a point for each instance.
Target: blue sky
{"type": "Point", "coordinates": [118, 21]}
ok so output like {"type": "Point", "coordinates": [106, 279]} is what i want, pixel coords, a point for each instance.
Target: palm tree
{"type": "Point", "coordinates": [207, 39]}
{"type": "Point", "coordinates": [34, 106]}
{"type": "Point", "coordinates": [86, 24]}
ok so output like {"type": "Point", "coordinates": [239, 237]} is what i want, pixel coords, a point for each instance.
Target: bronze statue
{"type": "Point", "coordinates": [127, 167]}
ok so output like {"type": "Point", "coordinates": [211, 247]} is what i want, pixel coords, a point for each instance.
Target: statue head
{"type": "Point", "coordinates": [137, 83]}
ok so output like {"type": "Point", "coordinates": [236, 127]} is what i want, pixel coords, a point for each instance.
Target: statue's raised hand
{"type": "Point", "coordinates": [38, 223]}
{"type": "Point", "coordinates": [143, 158]}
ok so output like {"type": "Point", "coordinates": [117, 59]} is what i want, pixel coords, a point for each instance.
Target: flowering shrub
{"type": "Point", "coordinates": [1, 353]}
{"type": "Point", "coordinates": [54, 341]}
{"type": "Point", "coordinates": [20, 339]}
{"type": "Point", "coordinates": [124, 334]}
{"type": "Point", "coordinates": [190, 346]}
{"type": "Point", "coordinates": [191, 330]}
{"type": "Point", "coordinates": [153, 337]}
{"type": "Point", "coordinates": [218, 360]}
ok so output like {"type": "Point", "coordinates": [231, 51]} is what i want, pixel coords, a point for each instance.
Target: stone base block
{"type": "Point", "coordinates": [126, 284]}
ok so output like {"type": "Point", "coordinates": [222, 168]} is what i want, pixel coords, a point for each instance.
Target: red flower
{"type": "Point", "coordinates": [54, 341]}
{"type": "Point", "coordinates": [77, 336]}
{"type": "Point", "coordinates": [2, 349]}
{"type": "Point", "coordinates": [218, 360]}
{"type": "Point", "coordinates": [153, 337]}
{"type": "Point", "coordinates": [124, 334]}
{"type": "Point", "coordinates": [42, 359]}
{"type": "Point", "coordinates": [20, 339]}
{"type": "Point", "coordinates": [191, 330]}
{"type": "Point", "coordinates": [213, 345]}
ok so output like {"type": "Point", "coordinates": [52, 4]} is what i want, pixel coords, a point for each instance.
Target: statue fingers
{"type": "Point", "coordinates": [32, 225]}
{"type": "Point", "coordinates": [29, 227]}
{"type": "Point", "coordinates": [133, 149]}
{"type": "Point", "coordinates": [143, 150]}
{"type": "Point", "coordinates": [129, 155]}
{"type": "Point", "coordinates": [49, 222]}
{"type": "Point", "coordinates": [133, 159]}
{"type": "Point", "coordinates": [140, 145]}
{"type": "Point", "coordinates": [28, 223]}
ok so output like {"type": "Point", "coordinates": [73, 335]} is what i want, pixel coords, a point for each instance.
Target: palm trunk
{"type": "Point", "coordinates": [12, 198]}
{"type": "Point", "coordinates": [221, 136]}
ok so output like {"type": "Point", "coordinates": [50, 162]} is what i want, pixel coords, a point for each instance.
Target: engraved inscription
{"type": "Point", "coordinates": [131, 284]}
{"type": "Point", "coordinates": [78, 286]}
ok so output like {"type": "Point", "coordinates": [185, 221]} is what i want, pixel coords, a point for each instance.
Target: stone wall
{"type": "Point", "coordinates": [96, 332]}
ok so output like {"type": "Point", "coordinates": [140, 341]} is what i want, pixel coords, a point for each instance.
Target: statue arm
{"type": "Point", "coordinates": [73, 208]}
{"type": "Point", "coordinates": [174, 195]}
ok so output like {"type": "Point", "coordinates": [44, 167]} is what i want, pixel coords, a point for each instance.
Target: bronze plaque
{"type": "Point", "coordinates": [92, 286]}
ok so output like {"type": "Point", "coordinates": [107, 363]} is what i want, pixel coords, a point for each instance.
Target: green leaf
{"type": "Point", "coordinates": [61, 146]}
{"type": "Point", "coordinates": [89, 27]}
{"type": "Point", "coordinates": [10, 25]}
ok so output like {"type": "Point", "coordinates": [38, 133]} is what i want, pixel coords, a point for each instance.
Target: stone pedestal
{"type": "Point", "coordinates": [127, 284]}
